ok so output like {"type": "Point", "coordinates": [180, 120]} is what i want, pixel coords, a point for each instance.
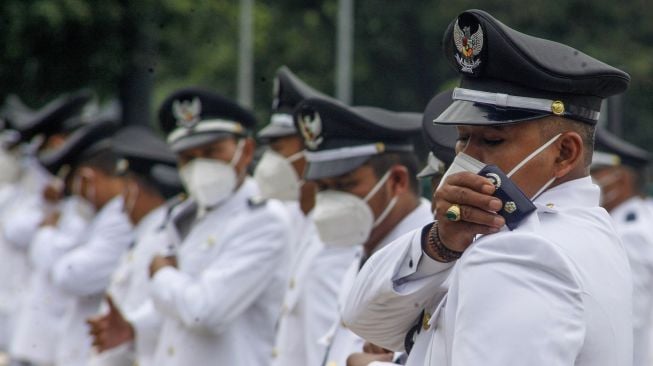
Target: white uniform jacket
{"type": "Point", "coordinates": [129, 284]}
{"type": "Point", "coordinates": [22, 212]}
{"type": "Point", "coordinates": [220, 307]}
{"type": "Point", "coordinates": [85, 272]}
{"type": "Point", "coordinates": [633, 220]}
{"type": "Point", "coordinates": [38, 320]}
{"type": "Point", "coordinates": [555, 291]}
{"type": "Point", "coordinates": [341, 341]}
{"type": "Point", "coordinates": [310, 304]}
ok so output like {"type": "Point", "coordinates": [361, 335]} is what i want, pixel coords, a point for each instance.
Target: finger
{"type": "Point", "coordinates": [476, 216]}
{"type": "Point", "coordinates": [467, 196]}
{"type": "Point", "coordinates": [462, 235]}
{"type": "Point", "coordinates": [472, 181]}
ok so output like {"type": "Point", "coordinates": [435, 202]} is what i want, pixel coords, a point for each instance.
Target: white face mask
{"type": "Point", "coordinates": [276, 176]}
{"type": "Point", "coordinates": [344, 219]}
{"type": "Point", "coordinates": [83, 207]}
{"type": "Point", "coordinates": [465, 163]}
{"type": "Point", "coordinates": [9, 167]}
{"type": "Point", "coordinates": [211, 181]}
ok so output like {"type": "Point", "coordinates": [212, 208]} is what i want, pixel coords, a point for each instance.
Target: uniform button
{"type": "Point", "coordinates": [425, 320]}
{"type": "Point", "coordinates": [342, 323]}
{"type": "Point", "coordinates": [275, 352]}
{"type": "Point", "coordinates": [292, 283]}
{"type": "Point", "coordinates": [171, 351]}
{"type": "Point", "coordinates": [332, 363]}
{"type": "Point", "coordinates": [550, 205]}
{"type": "Point", "coordinates": [210, 241]}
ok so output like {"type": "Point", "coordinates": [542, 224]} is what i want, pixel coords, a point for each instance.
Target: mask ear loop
{"type": "Point", "coordinates": [389, 207]}
{"type": "Point", "coordinates": [532, 155]}
{"type": "Point", "coordinates": [377, 186]}
{"type": "Point", "coordinates": [296, 156]}
{"type": "Point", "coordinates": [133, 191]}
{"type": "Point", "coordinates": [238, 153]}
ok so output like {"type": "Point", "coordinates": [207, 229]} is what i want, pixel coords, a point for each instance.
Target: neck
{"type": "Point", "coordinates": [406, 204]}
{"type": "Point", "coordinates": [144, 205]}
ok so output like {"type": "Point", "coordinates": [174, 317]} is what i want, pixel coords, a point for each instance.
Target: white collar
{"type": "Point", "coordinates": [574, 193]}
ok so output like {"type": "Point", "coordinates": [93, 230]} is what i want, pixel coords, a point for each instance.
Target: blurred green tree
{"type": "Point", "coordinates": [125, 47]}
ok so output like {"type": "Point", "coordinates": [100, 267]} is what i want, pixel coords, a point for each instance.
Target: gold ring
{"type": "Point", "coordinates": [453, 213]}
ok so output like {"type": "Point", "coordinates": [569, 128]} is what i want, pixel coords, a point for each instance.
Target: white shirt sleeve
{"type": "Point", "coordinates": [391, 290]}
{"type": "Point", "coordinates": [87, 269]}
{"type": "Point", "coordinates": [231, 283]}
{"type": "Point", "coordinates": [518, 303]}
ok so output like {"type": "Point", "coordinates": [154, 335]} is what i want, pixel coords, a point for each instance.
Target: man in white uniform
{"type": "Point", "coordinates": [553, 287]}
{"type": "Point", "coordinates": [362, 160]}
{"type": "Point", "coordinates": [619, 169]}
{"type": "Point", "coordinates": [441, 142]}
{"type": "Point", "coordinates": [220, 292]}
{"type": "Point", "coordinates": [143, 157]}
{"type": "Point", "coordinates": [84, 272]}
{"type": "Point", "coordinates": [25, 207]}
{"type": "Point", "coordinates": [316, 271]}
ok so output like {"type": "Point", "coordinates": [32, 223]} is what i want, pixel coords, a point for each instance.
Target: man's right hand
{"type": "Point", "coordinates": [110, 330]}
{"type": "Point", "coordinates": [478, 209]}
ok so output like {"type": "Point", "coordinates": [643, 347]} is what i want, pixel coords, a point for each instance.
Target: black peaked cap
{"type": "Point", "coordinates": [335, 133]}
{"type": "Point", "coordinates": [493, 58]}
{"type": "Point", "coordinates": [289, 91]}
{"type": "Point", "coordinates": [187, 117]}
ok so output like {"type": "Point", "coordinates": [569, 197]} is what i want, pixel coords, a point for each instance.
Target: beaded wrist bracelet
{"type": "Point", "coordinates": [444, 254]}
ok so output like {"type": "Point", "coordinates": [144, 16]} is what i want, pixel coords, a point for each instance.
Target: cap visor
{"type": "Point", "coordinates": [333, 168]}
{"type": "Point", "coordinates": [462, 112]}
{"type": "Point", "coordinates": [272, 131]}
{"type": "Point", "coordinates": [191, 141]}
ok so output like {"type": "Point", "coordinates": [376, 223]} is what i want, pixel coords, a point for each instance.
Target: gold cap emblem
{"type": "Point", "coordinates": [558, 108]}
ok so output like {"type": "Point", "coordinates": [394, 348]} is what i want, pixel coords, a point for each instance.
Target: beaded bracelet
{"type": "Point", "coordinates": [444, 254]}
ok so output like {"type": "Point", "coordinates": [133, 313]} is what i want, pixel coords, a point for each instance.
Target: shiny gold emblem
{"type": "Point", "coordinates": [558, 108]}
{"type": "Point", "coordinates": [510, 207]}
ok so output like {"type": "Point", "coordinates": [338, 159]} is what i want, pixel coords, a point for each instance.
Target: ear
{"type": "Point", "coordinates": [399, 181]}
{"type": "Point", "coordinates": [571, 154]}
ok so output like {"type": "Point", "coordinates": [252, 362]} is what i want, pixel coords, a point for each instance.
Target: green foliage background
{"type": "Point", "coordinates": [51, 46]}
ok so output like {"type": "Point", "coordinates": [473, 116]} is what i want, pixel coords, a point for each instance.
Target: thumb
{"type": "Point", "coordinates": [113, 309]}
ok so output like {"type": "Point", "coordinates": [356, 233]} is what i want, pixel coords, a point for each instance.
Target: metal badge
{"type": "Point", "coordinates": [187, 113]}
{"type": "Point", "coordinates": [469, 46]}
{"type": "Point", "coordinates": [510, 207]}
{"type": "Point", "coordinates": [558, 108]}
{"type": "Point", "coordinates": [310, 125]}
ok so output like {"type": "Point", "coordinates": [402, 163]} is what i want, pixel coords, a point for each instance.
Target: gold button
{"type": "Point", "coordinates": [210, 241]}
{"type": "Point", "coordinates": [425, 320]}
{"type": "Point", "coordinates": [292, 283]}
{"type": "Point", "coordinates": [550, 205]}
{"type": "Point", "coordinates": [275, 352]}
{"type": "Point", "coordinates": [558, 108]}
{"type": "Point", "coordinates": [332, 363]}
{"type": "Point", "coordinates": [171, 350]}
{"type": "Point", "coordinates": [342, 323]}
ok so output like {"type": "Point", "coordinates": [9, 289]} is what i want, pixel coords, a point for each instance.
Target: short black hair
{"type": "Point", "coordinates": [383, 162]}
{"type": "Point", "coordinates": [552, 125]}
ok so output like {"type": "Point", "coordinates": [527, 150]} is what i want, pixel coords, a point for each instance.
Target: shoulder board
{"type": "Point", "coordinates": [256, 201]}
